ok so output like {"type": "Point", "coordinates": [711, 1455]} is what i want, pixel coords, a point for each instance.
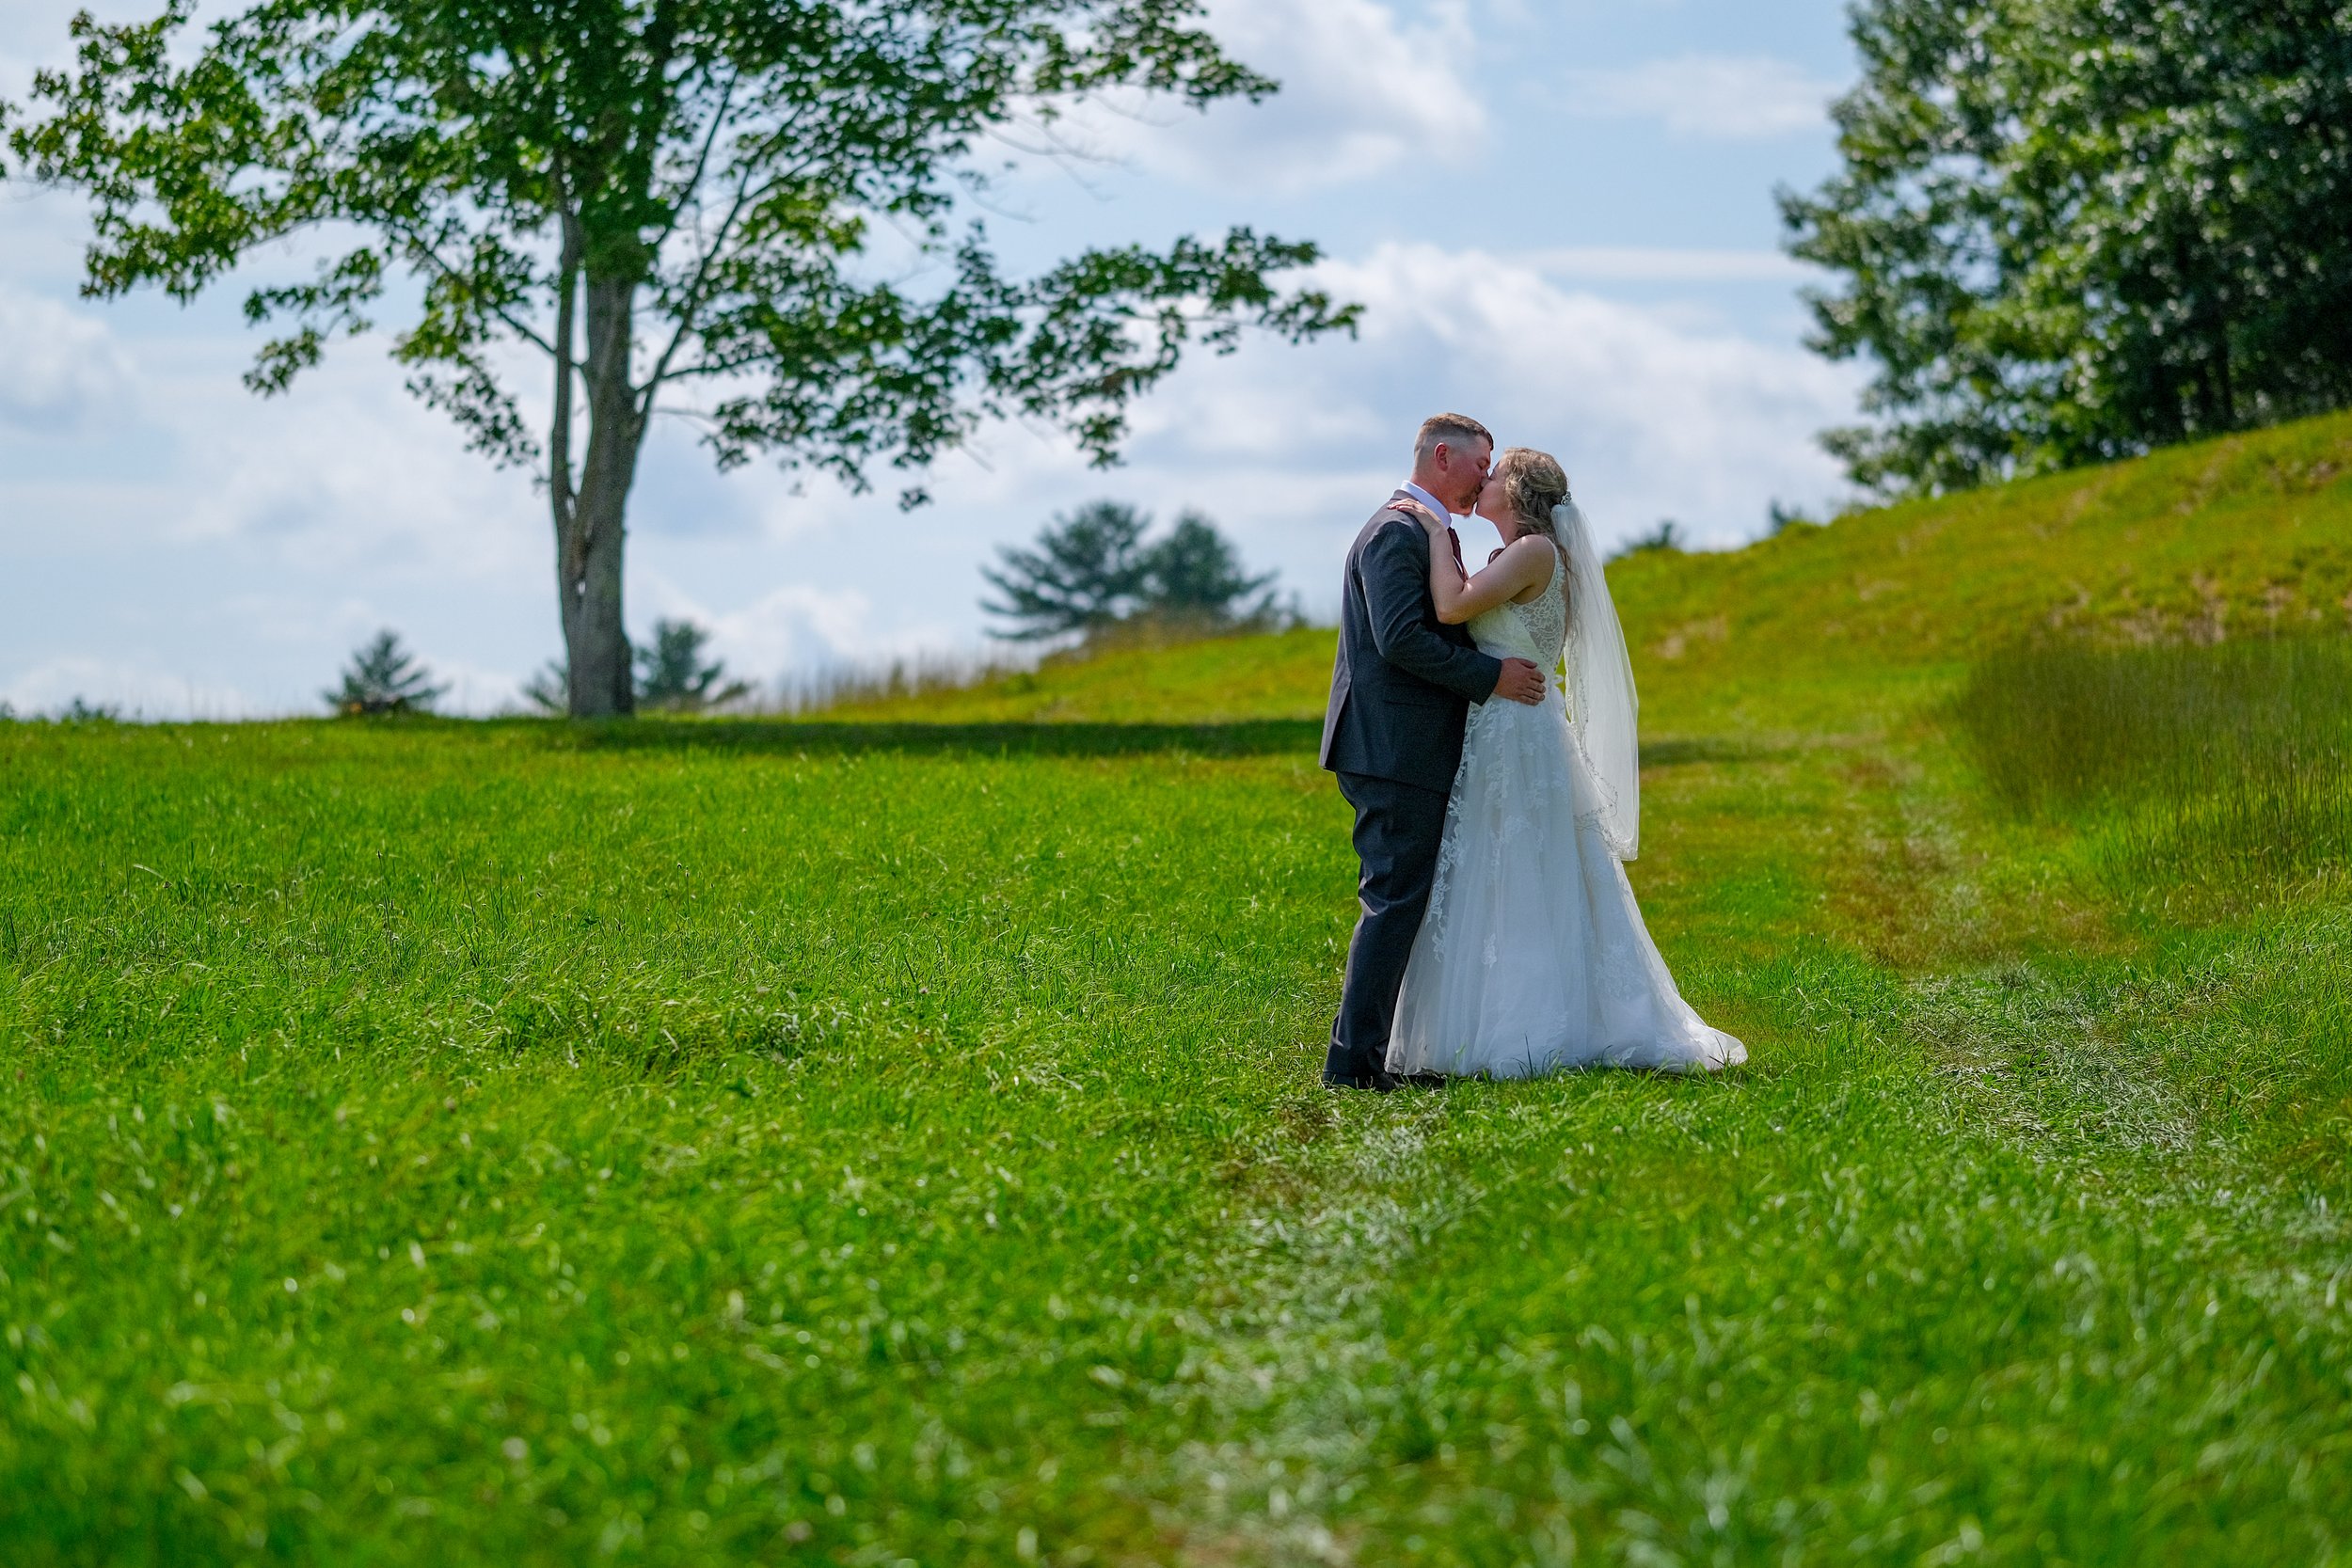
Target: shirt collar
{"type": "Point", "coordinates": [1429, 500]}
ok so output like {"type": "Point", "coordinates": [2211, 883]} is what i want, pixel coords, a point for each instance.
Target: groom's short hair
{"type": "Point", "coordinates": [1451, 429]}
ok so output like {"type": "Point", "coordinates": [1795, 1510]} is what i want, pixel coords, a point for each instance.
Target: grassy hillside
{"type": "Point", "coordinates": [2249, 534]}
{"type": "Point", "coordinates": [1217, 680]}
{"type": "Point", "coordinates": [893, 1138]}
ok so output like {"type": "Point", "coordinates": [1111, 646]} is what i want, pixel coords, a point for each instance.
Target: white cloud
{"type": "Point", "coordinates": [135, 690]}
{"type": "Point", "coordinates": [273, 535]}
{"type": "Point", "coordinates": [1653, 415]}
{"type": "Point", "coordinates": [64, 371]}
{"type": "Point", "coordinates": [476, 689]}
{"type": "Point", "coordinates": [1719, 97]}
{"type": "Point", "coordinates": [1655, 264]}
{"type": "Point", "coordinates": [250, 543]}
{"type": "Point", "coordinates": [796, 627]}
{"type": "Point", "coordinates": [1362, 89]}
{"type": "Point", "coordinates": [347, 474]}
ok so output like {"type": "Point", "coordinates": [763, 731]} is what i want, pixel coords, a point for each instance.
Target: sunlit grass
{"type": "Point", "coordinates": [895, 1138]}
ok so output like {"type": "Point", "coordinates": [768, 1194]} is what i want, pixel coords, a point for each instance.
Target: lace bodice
{"type": "Point", "coordinates": [1536, 631]}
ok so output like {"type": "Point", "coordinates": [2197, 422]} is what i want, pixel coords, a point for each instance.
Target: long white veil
{"type": "Point", "coordinates": [1603, 711]}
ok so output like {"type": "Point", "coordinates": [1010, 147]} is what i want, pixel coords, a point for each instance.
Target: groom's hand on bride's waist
{"type": "Point", "coordinates": [1521, 682]}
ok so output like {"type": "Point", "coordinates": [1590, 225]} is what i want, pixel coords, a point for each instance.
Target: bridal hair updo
{"type": "Point", "coordinates": [1532, 483]}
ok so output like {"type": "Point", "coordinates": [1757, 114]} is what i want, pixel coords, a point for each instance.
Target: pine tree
{"type": "Point", "coordinates": [1193, 576]}
{"type": "Point", "coordinates": [1092, 570]}
{"type": "Point", "coordinates": [385, 677]}
{"type": "Point", "coordinates": [1087, 572]}
{"type": "Point", "coordinates": [672, 676]}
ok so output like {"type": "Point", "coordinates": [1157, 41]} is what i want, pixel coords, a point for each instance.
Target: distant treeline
{"type": "Point", "coordinates": [1094, 570]}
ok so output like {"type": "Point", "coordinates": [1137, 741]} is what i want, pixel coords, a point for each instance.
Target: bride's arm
{"type": "Point", "coordinates": [1526, 562]}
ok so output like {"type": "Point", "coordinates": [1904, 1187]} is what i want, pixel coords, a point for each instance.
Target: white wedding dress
{"type": "Point", "coordinates": [1533, 957]}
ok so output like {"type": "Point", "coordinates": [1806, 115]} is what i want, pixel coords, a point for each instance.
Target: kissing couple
{"type": "Point", "coordinates": [1494, 810]}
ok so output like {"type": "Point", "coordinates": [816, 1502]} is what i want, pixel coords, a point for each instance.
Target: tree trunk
{"type": "Point", "coordinates": [589, 557]}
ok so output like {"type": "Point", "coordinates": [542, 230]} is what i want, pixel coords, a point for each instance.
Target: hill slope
{"type": "Point", "coordinates": [2249, 534]}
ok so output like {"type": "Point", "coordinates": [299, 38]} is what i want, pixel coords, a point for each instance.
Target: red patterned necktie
{"type": "Point", "coordinates": [1456, 540]}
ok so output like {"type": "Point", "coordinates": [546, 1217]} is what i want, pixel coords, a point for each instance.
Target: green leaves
{"type": "Point", "coordinates": [2072, 230]}
{"type": "Point", "coordinates": [847, 373]}
{"type": "Point", "coordinates": [726, 159]}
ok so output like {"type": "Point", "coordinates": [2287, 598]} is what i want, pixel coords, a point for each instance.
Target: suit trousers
{"type": "Point", "coordinates": [1398, 830]}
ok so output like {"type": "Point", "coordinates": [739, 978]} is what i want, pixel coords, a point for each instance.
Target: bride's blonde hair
{"type": "Point", "coordinates": [1532, 483]}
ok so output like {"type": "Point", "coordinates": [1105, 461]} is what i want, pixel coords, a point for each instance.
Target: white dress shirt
{"type": "Point", "coordinates": [1428, 500]}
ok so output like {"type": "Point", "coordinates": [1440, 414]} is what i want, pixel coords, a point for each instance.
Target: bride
{"type": "Point", "coordinates": [1534, 956]}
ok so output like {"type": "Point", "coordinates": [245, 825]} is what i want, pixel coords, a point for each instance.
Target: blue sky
{"type": "Point", "coordinates": [1559, 213]}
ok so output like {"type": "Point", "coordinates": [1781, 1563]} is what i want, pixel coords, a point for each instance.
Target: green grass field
{"type": "Point", "coordinates": [893, 1138]}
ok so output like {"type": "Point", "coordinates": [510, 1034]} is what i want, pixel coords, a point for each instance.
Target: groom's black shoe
{"type": "Point", "coordinates": [1376, 1080]}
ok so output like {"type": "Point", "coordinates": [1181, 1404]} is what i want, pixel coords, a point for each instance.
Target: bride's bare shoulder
{"type": "Point", "coordinates": [1539, 554]}
{"type": "Point", "coordinates": [1532, 560]}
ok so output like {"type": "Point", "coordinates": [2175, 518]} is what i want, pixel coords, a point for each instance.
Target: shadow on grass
{"type": "Point", "coordinates": [1689, 751]}
{"type": "Point", "coordinates": [1049, 738]}
{"type": "Point", "coordinates": [822, 737]}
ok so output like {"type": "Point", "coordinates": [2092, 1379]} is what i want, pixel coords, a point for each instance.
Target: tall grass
{"type": "Point", "coordinates": [862, 683]}
{"type": "Point", "coordinates": [2193, 763]}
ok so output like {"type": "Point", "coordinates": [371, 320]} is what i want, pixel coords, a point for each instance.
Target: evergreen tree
{"type": "Point", "coordinates": [385, 677]}
{"type": "Point", "coordinates": [1194, 575]}
{"type": "Point", "coordinates": [1092, 570]}
{"type": "Point", "coordinates": [1667, 536]}
{"type": "Point", "coordinates": [1088, 571]}
{"type": "Point", "coordinates": [549, 691]}
{"type": "Point", "coordinates": [672, 676]}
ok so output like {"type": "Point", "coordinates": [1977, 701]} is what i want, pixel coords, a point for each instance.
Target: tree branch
{"type": "Point", "coordinates": [419, 248]}
{"type": "Point", "coordinates": [691, 307]}
{"type": "Point", "coordinates": [702, 159]}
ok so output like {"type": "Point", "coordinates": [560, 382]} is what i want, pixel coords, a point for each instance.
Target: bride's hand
{"type": "Point", "coordinates": [1422, 514]}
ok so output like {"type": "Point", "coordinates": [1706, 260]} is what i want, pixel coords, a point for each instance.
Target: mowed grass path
{"type": "Point", "coordinates": [882, 1142]}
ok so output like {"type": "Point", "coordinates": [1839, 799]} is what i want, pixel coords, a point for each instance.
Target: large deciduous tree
{"type": "Point", "coordinates": [745, 211]}
{"type": "Point", "coordinates": [2073, 229]}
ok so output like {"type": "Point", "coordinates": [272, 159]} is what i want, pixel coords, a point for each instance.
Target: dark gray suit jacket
{"type": "Point", "coordinates": [1404, 681]}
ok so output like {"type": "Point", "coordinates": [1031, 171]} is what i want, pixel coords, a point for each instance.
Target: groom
{"type": "Point", "coordinates": [1400, 694]}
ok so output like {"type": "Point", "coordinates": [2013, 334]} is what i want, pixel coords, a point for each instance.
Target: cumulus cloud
{"type": "Point", "coordinates": [346, 507]}
{"type": "Point", "coordinates": [347, 474]}
{"type": "Point", "coordinates": [1717, 97]}
{"type": "Point", "coordinates": [1653, 415]}
{"type": "Point", "coordinates": [65, 373]}
{"type": "Point", "coordinates": [1288, 450]}
{"type": "Point", "coordinates": [250, 543]}
{"type": "Point", "coordinates": [1362, 89]}
{"type": "Point", "coordinates": [794, 629]}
